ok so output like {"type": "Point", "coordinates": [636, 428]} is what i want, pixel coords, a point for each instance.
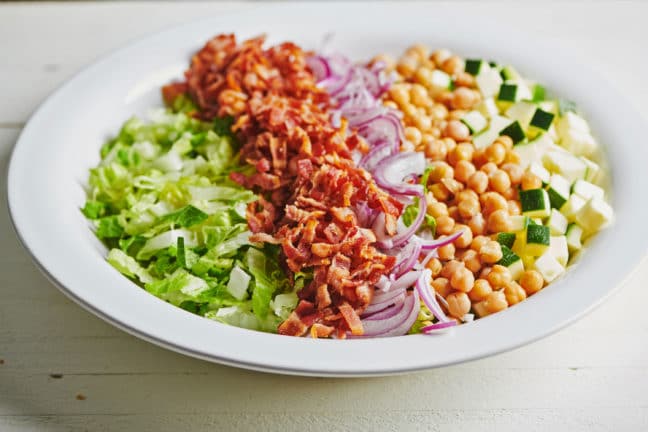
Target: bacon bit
{"type": "Point", "coordinates": [172, 91]}
{"type": "Point", "coordinates": [306, 178]}
{"type": "Point", "coordinates": [352, 319]}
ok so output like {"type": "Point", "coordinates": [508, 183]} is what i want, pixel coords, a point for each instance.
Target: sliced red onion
{"type": "Point", "coordinates": [432, 254]}
{"type": "Point", "coordinates": [384, 127]}
{"type": "Point", "coordinates": [386, 296]}
{"type": "Point", "coordinates": [428, 297]}
{"type": "Point", "coordinates": [390, 172]}
{"type": "Point", "coordinates": [438, 327]}
{"type": "Point", "coordinates": [398, 324]}
{"type": "Point", "coordinates": [428, 245]}
{"type": "Point", "coordinates": [388, 311]}
{"type": "Point", "coordinates": [360, 115]}
{"type": "Point", "coordinates": [378, 307]}
{"type": "Point", "coordinates": [383, 283]}
{"type": "Point", "coordinates": [320, 67]}
{"type": "Point", "coordinates": [406, 281]}
{"type": "Point", "coordinates": [409, 256]}
{"type": "Point", "coordinates": [365, 214]}
{"type": "Point", "coordinates": [401, 237]}
{"type": "Point", "coordinates": [376, 154]}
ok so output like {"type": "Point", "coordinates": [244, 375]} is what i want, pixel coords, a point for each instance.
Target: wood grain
{"type": "Point", "coordinates": [591, 376]}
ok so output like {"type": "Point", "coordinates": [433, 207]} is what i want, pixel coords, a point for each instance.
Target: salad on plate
{"type": "Point", "coordinates": [306, 194]}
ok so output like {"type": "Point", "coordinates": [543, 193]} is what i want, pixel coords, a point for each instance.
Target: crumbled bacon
{"type": "Point", "coordinates": [308, 183]}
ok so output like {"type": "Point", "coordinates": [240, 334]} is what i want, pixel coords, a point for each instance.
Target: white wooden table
{"type": "Point", "coordinates": [63, 369]}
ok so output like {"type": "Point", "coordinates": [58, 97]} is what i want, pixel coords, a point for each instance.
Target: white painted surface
{"type": "Point", "coordinates": [592, 376]}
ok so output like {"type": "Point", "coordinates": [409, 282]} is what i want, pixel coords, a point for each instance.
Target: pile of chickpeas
{"type": "Point", "coordinates": [471, 190]}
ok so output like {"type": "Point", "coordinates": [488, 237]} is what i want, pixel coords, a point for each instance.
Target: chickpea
{"type": "Point", "coordinates": [440, 170]}
{"type": "Point", "coordinates": [456, 114]}
{"type": "Point", "coordinates": [478, 182]}
{"type": "Point", "coordinates": [457, 131]}
{"type": "Point", "coordinates": [453, 65]}
{"type": "Point", "coordinates": [435, 149]}
{"type": "Point", "coordinates": [463, 98]}
{"type": "Point", "coordinates": [462, 152]}
{"type": "Point", "coordinates": [422, 121]}
{"type": "Point", "coordinates": [446, 252]}
{"type": "Point", "coordinates": [465, 239]}
{"type": "Point", "coordinates": [477, 224]}
{"type": "Point", "coordinates": [450, 268]}
{"type": "Point", "coordinates": [435, 266]}
{"type": "Point", "coordinates": [439, 111]}
{"type": "Point", "coordinates": [450, 144]}
{"type": "Point", "coordinates": [499, 276]}
{"type": "Point", "coordinates": [491, 252]}
{"type": "Point", "coordinates": [499, 221]}
{"type": "Point", "coordinates": [484, 272]}
{"type": "Point", "coordinates": [479, 157]}
{"type": "Point", "coordinates": [442, 286]}
{"type": "Point", "coordinates": [492, 201]}
{"type": "Point", "coordinates": [530, 181]}
{"type": "Point", "coordinates": [440, 192]}
{"type": "Point", "coordinates": [466, 194]}
{"type": "Point", "coordinates": [390, 104]}
{"type": "Point", "coordinates": [439, 56]}
{"type": "Point", "coordinates": [514, 208]}
{"type": "Point", "coordinates": [468, 208]}
{"type": "Point", "coordinates": [453, 185]}
{"type": "Point", "coordinates": [464, 79]}
{"type": "Point", "coordinates": [407, 146]}
{"type": "Point", "coordinates": [453, 212]}
{"type": "Point", "coordinates": [437, 209]}
{"type": "Point", "coordinates": [458, 304]}
{"type": "Point", "coordinates": [423, 76]}
{"type": "Point", "coordinates": [419, 51]}
{"type": "Point", "coordinates": [445, 225]}
{"type": "Point", "coordinates": [462, 279]}
{"type": "Point", "coordinates": [495, 153]}
{"type": "Point", "coordinates": [506, 141]}
{"type": "Point", "coordinates": [531, 281]}
{"type": "Point", "coordinates": [510, 194]}
{"type": "Point", "coordinates": [514, 171]}
{"type": "Point", "coordinates": [514, 293]}
{"type": "Point", "coordinates": [478, 242]}
{"type": "Point", "coordinates": [512, 157]}
{"type": "Point", "coordinates": [399, 93]}
{"type": "Point", "coordinates": [413, 135]}
{"type": "Point", "coordinates": [499, 181]}
{"type": "Point", "coordinates": [464, 169]}
{"type": "Point", "coordinates": [407, 65]}
{"type": "Point", "coordinates": [495, 302]}
{"type": "Point", "coordinates": [386, 59]}
{"type": "Point", "coordinates": [480, 290]}
{"type": "Point", "coordinates": [488, 168]}
{"type": "Point", "coordinates": [419, 96]}
{"type": "Point", "coordinates": [470, 259]}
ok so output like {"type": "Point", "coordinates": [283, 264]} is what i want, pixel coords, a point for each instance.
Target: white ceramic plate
{"type": "Point", "coordinates": [51, 160]}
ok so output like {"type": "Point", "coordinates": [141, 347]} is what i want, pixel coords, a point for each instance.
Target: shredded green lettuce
{"type": "Point", "coordinates": [162, 201]}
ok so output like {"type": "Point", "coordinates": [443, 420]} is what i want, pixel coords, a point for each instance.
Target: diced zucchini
{"type": "Point", "coordinates": [532, 151]}
{"type": "Point", "coordinates": [541, 119]}
{"type": "Point", "coordinates": [489, 82]}
{"type": "Point", "coordinates": [522, 111]}
{"type": "Point", "coordinates": [541, 172]}
{"type": "Point", "coordinates": [511, 261]}
{"type": "Point", "coordinates": [475, 66]}
{"type": "Point", "coordinates": [557, 222]}
{"type": "Point", "coordinates": [587, 190]}
{"type": "Point", "coordinates": [578, 142]}
{"type": "Point", "coordinates": [571, 121]}
{"type": "Point", "coordinates": [487, 137]}
{"type": "Point", "coordinates": [475, 121]}
{"type": "Point", "coordinates": [514, 131]}
{"type": "Point", "coordinates": [506, 239]}
{"type": "Point", "coordinates": [519, 223]}
{"type": "Point", "coordinates": [535, 203]}
{"type": "Point", "coordinates": [593, 170]}
{"type": "Point", "coordinates": [572, 206]}
{"type": "Point", "coordinates": [558, 248]}
{"type": "Point", "coordinates": [508, 73]}
{"type": "Point", "coordinates": [508, 92]}
{"type": "Point", "coordinates": [538, 93]}
{"type": "Point", "coordinates": [549, 106]}
{"type": "Point", "coordinates": [570, 166]}
{"type": "Point", "coordinates": [574, 234]}
{"type": "Point", "coordinates": [488, 108]}
{"type": "Point", "coordinates": [548, 267]}
{"type": "Point", "coordinates": [537, 240]}
{"type": "Point", "coordinates": [558, 190]}
{"type": "Point", "coordinates": [595, 214]}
